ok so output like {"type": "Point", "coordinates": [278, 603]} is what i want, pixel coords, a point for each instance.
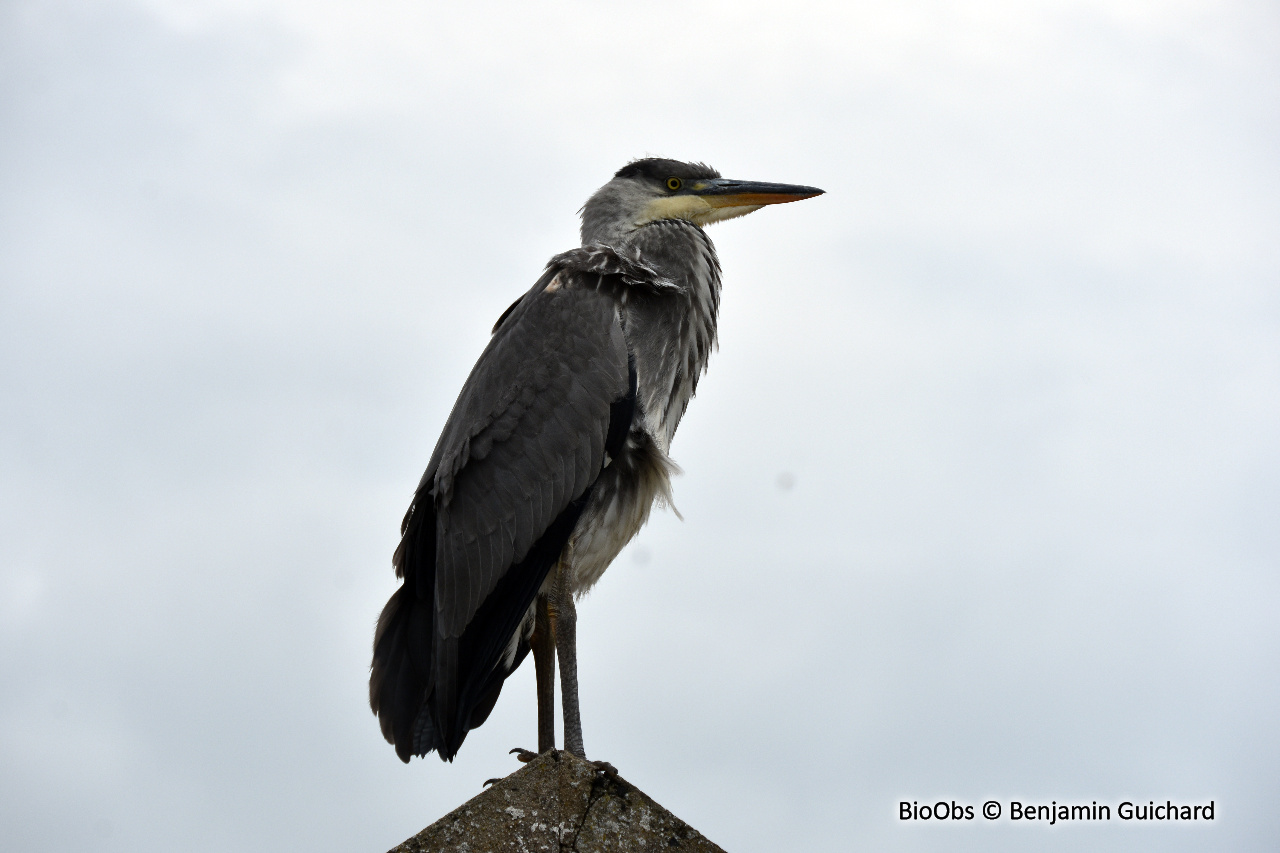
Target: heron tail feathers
{"type": "Point", "coordinates": [398, 683]}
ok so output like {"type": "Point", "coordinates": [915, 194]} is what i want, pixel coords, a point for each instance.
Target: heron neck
{"type": "Point", "coordinates": [671, 335]}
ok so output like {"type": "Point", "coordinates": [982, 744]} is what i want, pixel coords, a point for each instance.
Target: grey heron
{"type": "Point", "coordinates": [553, 455]}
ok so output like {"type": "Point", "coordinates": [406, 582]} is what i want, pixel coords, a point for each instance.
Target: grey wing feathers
{"type": "Point", "coordinates": [525, 438]}
{"type": "Point", "coordinates": [613, 267]}
{"type": "Point", "coordinates": [499, 499]}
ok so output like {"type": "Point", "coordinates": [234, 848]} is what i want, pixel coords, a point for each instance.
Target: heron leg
{"type": "Point", "coordinates": [543, 642]}
{"type": "Point", "coordinates": [566, 631]}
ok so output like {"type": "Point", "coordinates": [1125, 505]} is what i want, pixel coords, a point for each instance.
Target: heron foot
{"type": "Point", "coordinates": [606, 768]}
{"type": "Point", "coordinates": [524, 755]}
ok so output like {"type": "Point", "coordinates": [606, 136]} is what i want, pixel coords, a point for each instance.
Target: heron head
{"type": "Point", "coordinates": [653, 189]}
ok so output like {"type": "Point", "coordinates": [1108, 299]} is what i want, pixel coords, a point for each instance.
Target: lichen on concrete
{"type": "Point", "coordinates": [555, 804]}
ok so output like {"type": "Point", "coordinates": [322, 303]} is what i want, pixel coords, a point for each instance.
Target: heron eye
{"type": "Point", "coordinates": [674, 184]}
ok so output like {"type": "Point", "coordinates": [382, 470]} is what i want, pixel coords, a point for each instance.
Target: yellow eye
{"type": "Point", "coordinates": [674, 184]}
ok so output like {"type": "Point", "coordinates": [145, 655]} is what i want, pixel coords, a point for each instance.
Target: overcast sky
{"type": "Point", "coordinates": [981, 495]}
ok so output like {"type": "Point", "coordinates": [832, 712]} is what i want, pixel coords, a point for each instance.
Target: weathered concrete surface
{"type": "Point", "coordinates": [557, 803]}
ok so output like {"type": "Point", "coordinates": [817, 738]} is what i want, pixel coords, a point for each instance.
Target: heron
{"type": "Point", "coordinates": [552, 457]}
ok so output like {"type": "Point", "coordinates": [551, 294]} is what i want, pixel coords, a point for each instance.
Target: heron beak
{"type": "Point", "coordinates": [725, 192]}
{"type": "Point", "coordinates": [709, 200]}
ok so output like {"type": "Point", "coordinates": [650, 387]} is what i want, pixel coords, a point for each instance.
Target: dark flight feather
{"type": "Point", "coordinates": [552, 394]}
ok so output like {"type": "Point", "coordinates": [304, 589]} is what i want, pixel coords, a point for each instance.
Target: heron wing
{"type": "Point", "coordinates": [553, 392]}
{"type": "Point", "coordinates": [509, 476]}
{"type": "Point", "coordinates": [525, 439]}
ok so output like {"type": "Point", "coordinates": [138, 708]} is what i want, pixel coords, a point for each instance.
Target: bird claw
{"type": "Point", "coordinates": [606, 768]}
{"type": "Point", "coordinates": [488, 782]}
{"type": "Point", "coordinates": [524, 755]}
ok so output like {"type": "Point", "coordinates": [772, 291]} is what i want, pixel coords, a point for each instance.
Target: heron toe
{"type": "Point", "coordinates": [606, 768]}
